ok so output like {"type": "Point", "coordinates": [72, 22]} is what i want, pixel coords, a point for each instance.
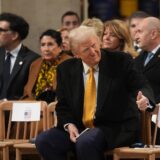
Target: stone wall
{"type": "Point", "coordinates": [41, 15]}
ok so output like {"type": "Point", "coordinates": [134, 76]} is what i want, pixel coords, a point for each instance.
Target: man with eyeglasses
{"type": "Point", "coordinates": [70, 20]}
{"type": "Point", "coordinates": [15, 58]}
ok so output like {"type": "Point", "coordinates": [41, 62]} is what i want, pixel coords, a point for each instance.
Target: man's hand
{"type": "Point", "coordinates": [73, 132]}
{"type": "Point", "coordinates": [142, 101]}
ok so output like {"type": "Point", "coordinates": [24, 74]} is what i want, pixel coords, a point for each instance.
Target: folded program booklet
{"type": "Point", "coordinates": [87, 129]}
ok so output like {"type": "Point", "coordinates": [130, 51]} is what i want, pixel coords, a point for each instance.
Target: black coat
{"type": "Point", "coordinates": [151, 71]}
{"type": "Point", "coordinates": [118, 85]}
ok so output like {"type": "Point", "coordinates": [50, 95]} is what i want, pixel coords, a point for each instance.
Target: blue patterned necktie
{"type": "Point", "coordinates": [149, 57]}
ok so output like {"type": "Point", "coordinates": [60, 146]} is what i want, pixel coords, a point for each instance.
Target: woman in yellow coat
{"type": "Point", "coordinates": [41, 84]}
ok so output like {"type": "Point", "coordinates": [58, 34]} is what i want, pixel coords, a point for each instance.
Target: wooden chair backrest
{"type": "Point", "coordinates": [51, 115]}
{"type": "Point", "coordinates": [146, 127]}
{"type": "Point", "coordinates": [147, 137]}
{"type": "Point", "coordinates": [155, 113]}
{"type": "Point", "coordinates": [20, 130]}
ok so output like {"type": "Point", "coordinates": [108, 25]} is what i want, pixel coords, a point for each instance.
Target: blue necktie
{"type": "Point", "coordinates": [149, 57]}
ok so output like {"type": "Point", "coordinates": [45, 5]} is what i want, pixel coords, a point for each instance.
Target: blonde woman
{"type": "Point", "coordinates": [116, 37]}
{"type": "Point", "coordinates": [97, 24]}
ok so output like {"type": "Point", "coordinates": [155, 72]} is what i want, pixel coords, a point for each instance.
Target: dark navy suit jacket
{"type": "Point", "coordinates": [19, 75]}
{"type": "Point", "coordinates": [151, 71]}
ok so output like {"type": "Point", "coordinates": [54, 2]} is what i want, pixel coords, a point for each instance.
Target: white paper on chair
{"type": "Point", "coordinates": [26, 111]}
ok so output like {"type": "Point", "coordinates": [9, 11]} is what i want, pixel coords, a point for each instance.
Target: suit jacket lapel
{"type": "Point", "coordinates": [104, 82]}
{"type": "Point", "coordinates": [77, 91]}
{"type": "Point", "coordinates": [153, 61]}
{"type": "Point", "coordinates": [18, 63]}
{"type": "Point", "coordinates": [2, 57]}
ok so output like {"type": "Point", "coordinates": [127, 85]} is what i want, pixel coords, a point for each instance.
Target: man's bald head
{"type": "Point", "coordinates": [148, 33]}
{"type": "Point", "coordinates": [152, 23]}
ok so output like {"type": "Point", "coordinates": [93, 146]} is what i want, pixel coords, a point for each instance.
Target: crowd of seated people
{"type": "Point", "coordinates": [96, 96]}
{"type": "Point", "coordinates": [101, 54]}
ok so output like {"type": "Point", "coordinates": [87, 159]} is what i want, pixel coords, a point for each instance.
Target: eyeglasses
{"type": "Point", "coordinates": [4, 30]}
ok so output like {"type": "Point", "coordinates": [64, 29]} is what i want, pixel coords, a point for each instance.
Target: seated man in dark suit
{"type": "Point", "coordinates": [97, 93]}
{"type": "Point", "coordinates": [148, 38]}
{"type": "Point", "coordinates": [15, 58]}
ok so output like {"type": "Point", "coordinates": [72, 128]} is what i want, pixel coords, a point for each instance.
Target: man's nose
{"type": "Point", "coordinates": [71, 26]}
{"type": "Point", "coordinates": [136, 36]}
{"type": "Point", "coordinates": [46, 48]}
{"type": "Point", "coordinates": [92, 51]}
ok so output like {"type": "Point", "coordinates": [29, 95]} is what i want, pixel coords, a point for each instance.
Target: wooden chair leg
{"type": "Point", "coordinates": [115, 156]}
{"type": "Point", "coordinates": [5, 153]}
{"type": "Point", "coordinates": [1, 152]}
{"type": "Point", "coordinates": [151, 157]}
{"type": "Point", "coordinates": [18, 154]}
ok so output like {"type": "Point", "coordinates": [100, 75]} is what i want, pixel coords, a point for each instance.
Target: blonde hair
{"type": "Point", "coordinates": [120, 29]}
{"type": "Point", "coordinates": [96, 23]}
{"type": "Point", "coordinates": [80, 35]}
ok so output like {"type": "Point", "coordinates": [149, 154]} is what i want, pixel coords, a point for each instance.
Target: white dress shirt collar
{"type": "Point", "coordinates": [86, 68]}
{"type": "Point", "coordinates": [155, 49]}
{"type": "Point", "coordinates": [15, 51]}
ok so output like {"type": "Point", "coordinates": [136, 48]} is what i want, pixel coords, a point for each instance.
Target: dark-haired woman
{"type": "Point", "coordinates": [41, 84]}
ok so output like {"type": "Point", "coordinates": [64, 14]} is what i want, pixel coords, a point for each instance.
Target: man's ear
{"type": "Point", "coordinates": [15, 35]}
{"type": "Point", "coordinates": [154, 34]}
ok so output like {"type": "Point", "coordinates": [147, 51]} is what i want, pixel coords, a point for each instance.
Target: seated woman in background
{"type": "Point", "coordinates": [41, 84]}
{"type": "Point", "coordinates": [116, 37]}
{"type": "Point", "coordinates": [65, 41]}
{"type": "Point", "coordinates": [97, 24]}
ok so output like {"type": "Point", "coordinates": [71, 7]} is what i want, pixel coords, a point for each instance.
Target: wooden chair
{"type": "Point", "coordinates": [150, 152]}
{"type": "Point", "coordinates": [127, 152]}
{"type": "Point", "coordinates": [28, 148]}
{"type": "Point", "coordinates": [23, 131]}
{"type": "Point", "coordinates": [51, 115]}
{"type": "Point", "coordinates": [52, 121]}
